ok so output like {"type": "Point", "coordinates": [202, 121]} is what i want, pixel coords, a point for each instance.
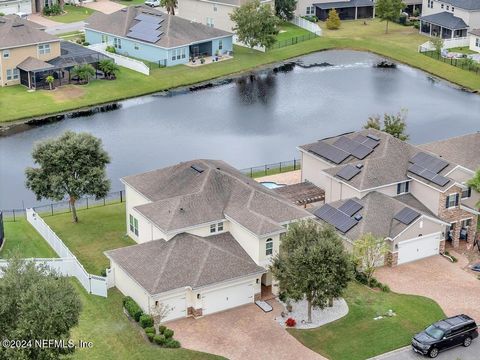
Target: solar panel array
{"type": "Point", "coordinates": [198, 168]}
{"type": "Point", "coordinates": [406, 216]}
{"type": "Point", "coordinates": [340, 219]}
{"type": "Point", "coordinates": [428, 167]}
{"type": "Point", "coordinates": [148, 28]}
{"type": "Point", "coordinates": [360, 147]}
{"type": "Point", "coordinates": [348, 172]}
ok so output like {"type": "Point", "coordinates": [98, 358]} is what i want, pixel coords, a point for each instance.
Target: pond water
{"type": "Point", "coordinates": [253, 121]}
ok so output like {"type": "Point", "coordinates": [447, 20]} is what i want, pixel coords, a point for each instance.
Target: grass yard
{"type": "Point", "coordinates": [462, 50]}
{"type": "Point", "coordinates": [102, 321]}
{"type": "Point", "coordinates": [71, 36]}
{"type": "Point", "coordinates": [130, 2]}
{"type": "Point", "coordinates": [289, 30]}
{"type": "Point", "coordinates": [357, 336]}
{"type": "Point", "coordinates": [99, 229]}
{"type": "Point", "coordinates": [72, 14]}
{"type": "Point", "coordinates": [23, 240]}
{"type": "Point", "coordinates": [400, 44]}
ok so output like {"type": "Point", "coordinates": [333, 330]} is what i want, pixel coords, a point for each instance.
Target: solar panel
{"type": "Point", "coordinates": [373, 137]}
{"type": "Point", "coordinates": [336, 218]}
{"type": "Point", "coordinates": [348, 172]}
{"type": "Point", "coordinates": [198, 168]}
{"type": "Point", "coordinates": [329, 152]}
{"type": "Point", "coordinates": [429, 162]}
{"type": "Point", "coordinates": [406, 215]}
{"type": "Point", "coordinates": [367, 141]}
{"type": "Point", "coordinates": [355, 148]}
{"type": "Point", "coordinates": [440, 180]}
{"type": "Point", "coordinates": [149, 18]}
{"type": "Point", "coordinates": [350, 207]}
{"type": "Point", "coordinates": [147, 29]}
{"type": "Point", "coordinates": [425, 172]}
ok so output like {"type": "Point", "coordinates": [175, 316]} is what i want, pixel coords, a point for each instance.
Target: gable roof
{"type": "Point", "coordinates": [344, 4]}
{"type": "Point", "coordinates": [185, 260]}
{"type": "Point", "coordinates": [464, 4]}
{"type": "Point", "coordinates": [378, 215]}
{"type": "Point", "coordinates": [15, 31]}
{"type": "Point", "coordinates": [173, 31]}
{"type": "Point", "coordinates": [32, 64]}
{"type": "Point", "coordinates": [182, 197]}
{"type": "Point", "coordinates": [445, 19]}
{"type": "Point", "coordinates": [475, 32]}
{"type": "Point", "coordinates": [463, 150]}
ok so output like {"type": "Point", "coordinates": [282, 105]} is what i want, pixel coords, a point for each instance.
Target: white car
{"type": "Point", "coordinates": [152, 3]}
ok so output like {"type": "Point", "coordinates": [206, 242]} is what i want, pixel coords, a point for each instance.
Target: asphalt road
{"type": "Point", "coordinates": [458, 353]}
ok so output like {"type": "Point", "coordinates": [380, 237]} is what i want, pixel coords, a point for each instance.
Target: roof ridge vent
{"type": "Point", "coordinates": [359, 166]}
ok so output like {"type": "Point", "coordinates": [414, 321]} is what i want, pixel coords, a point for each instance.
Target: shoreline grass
{"type": "Point", "coordinates": [400, 44]}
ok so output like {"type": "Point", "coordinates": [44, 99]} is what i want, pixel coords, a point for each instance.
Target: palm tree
{"type": "Point", "coordinates": [49, 80]}
{"type": "Point", "coordinates": [170, 5]}
{"type": "Point", "coordinates": [109, 68]}
{"type": "Point", "coordinates": [83, 72]}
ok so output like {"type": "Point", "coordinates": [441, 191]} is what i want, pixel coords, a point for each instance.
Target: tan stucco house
{"type": "Point", "coordinates": [214, 13]}
{"type": "Point", "coordinates": [353, 165]}
{"type": "Point", "coordinates": [206, 234]}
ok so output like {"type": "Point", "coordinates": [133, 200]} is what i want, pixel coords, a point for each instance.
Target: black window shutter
{"type": "Point", "coordinates": [469, 191]}
{"type": "Point", "coordinates": [398, 188]}
{"type": "Point", "coordinates": [407, 186]}
{"type": "Point", "coordinates": [456, 199]}
{"type": "Point", "coordinates": [446, 202]}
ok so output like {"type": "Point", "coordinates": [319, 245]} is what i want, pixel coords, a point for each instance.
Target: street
{"type": "Point", "coordinates": [458, 353]}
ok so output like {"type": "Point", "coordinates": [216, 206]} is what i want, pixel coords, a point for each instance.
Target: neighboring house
{"type": "Point", "coordinates": [449, 19]}
{"type": "Point", "coordinates": [353, 165]}
{"type": "Point", "coordinates": [28, 54]}
{"type": "Point", "coordinates": [475, 40]}
{"type": "Point", "coordinates": [347, 10]}
{"type": "Point", "coordinates": [149, 34]}
{"type": "Point", "coordinates": [206, 236]}
{"type": "Point", "coordinates": [9, 7]}
{"type": "Point", "coordinates": [410, 230]}
{"type": "Point", "coordinates": [212, 13]}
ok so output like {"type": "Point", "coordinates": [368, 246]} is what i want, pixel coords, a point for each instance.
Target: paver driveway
{"type": "Point", "coordinates": [454, 289]}
{"type": "Point", "coordinates": [242, 333]}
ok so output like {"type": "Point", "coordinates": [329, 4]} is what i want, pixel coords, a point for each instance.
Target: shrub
{"type": "Point", "coordinates": [333, 20]}
{"type": "Point", "coordinates": [161, 329]}
{"type": "Point", "coordinates": [150, 336]}
{"type": "Point", "coordinates": [361, 277]}
{"type": "Point", "coordinates": [159, 339]}
{"type": "Point", "coordinates": [291, 322]}
{"type": "Point", "coordinates": [146, 321]}
{"type": "Point", "coordinates": [104, 274]}
{"type": "Point", "coordinates": [86, 43]}
{"type": "Point", "coordinates": [385, 288]}
{"type": "Point", "coordinates": [282, 297]}
{"type": "Point", "coordinates": [402, 19]}
{"type": "Point", "coordinates": [133, 309]}
{"type": "Point", "coordinates": [168, 333]}
{"type": "Point", "coordinates": [2, 14]}
{"type": "Point", "coordinates": [374, 283]}
{"type": "Point", "coordinates": [172, 344]}
{"type": "Point", "coordinates": [52, 10]}
{"type": "Point", "coordinates": [126, 299]}
{"type": "Point", "coordinates": [111, 49]}
{"type": "Point", "coordinates": [150, 330]}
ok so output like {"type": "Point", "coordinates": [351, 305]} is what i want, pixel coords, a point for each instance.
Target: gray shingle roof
{"type": "Point", "coordinates": [446, 20]}
{"type": "Point", "coordinates": [378, 215]}
{"type": "Point", "coordinates": [33, 64]}
{"type": "Point", "coordinates": [185, 260]}
{"type": "Point", "coordinates": [387, 164]}
{"type": "Point", "coordinates": [181, 197]}
{"type": "Point", "coordinates": [176, 30]}
{"type": "Point", "coordinates": [15, 31]}
{"type": "Point", "coordinates": [463, 150]}
{"type": "Point", "coordinates": [465, 4]}
{"type": "Point", "coordinates": [475, 32]}
{"type": "Point", "coordinates": [344, 4]}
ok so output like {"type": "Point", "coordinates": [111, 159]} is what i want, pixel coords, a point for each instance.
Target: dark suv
{"type": "Point", "coordinates": [445, 334]}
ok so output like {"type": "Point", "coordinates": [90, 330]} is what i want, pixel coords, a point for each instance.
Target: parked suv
{"type": "Point", "coordinates": [445, 334]}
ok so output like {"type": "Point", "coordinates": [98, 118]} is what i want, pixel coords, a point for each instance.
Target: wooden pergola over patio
{"type": "Point", "coordinates": [302, 194]}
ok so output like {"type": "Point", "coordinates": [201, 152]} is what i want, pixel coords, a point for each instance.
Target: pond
{"type": "Point", "coordinates": [255, 119]}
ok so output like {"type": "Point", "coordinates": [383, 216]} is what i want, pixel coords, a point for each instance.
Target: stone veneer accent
{"type": "Point", "coordinates": [442, 247]}
{"type": "Point", "coordinates": [455, 215]}
{"type": "Point", "coordinates": [391, 259]}
{"type": "Point", "coordinates": [194, 312]}
{"type": "Point", "coordinates": [257, 296]}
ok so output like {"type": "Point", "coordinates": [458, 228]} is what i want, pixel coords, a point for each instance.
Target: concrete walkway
{"type": "Point", "coordinates": [242, 333]}
{"type": "Point", "coordinates": [454, 289]}
{"type": "Point", "coordinates": [39, 19]}
{"type": "Point", "coordinates": [55, 27]}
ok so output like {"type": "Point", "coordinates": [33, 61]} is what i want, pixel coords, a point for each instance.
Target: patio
{"type": "Point", "coordinates": [196, 61]}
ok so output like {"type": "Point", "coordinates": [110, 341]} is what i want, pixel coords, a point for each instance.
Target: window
{"type": "Point", "coordinates": [467, 193]}
{"type": "Point", "coordinates": [453, 9]}
{"type": "Point", "coordinates": [451, 201]}
{"type": "Point", "coordinates": [214, 7]}
{"type": "Point", "coordinates": [178, 54]}
{"type": "Point", "coordinates": [220, 44]}
{"type": "Point", "coordinates": [213, 228]}
{"type": "Point", "coordinates": [269, 247]}
{"type": "Point", "coordinates": [441, 6]}
{"type": "Point", "coordinates": [477, 42]}
{"type": "Point", "coordinates": [104, 39]}
{"type": "Point", "coordinates": [44, 49]}
{"type": "Point", "coordinates": [133, 225]}
{"type": "Point", "coordinates": [6, 54]}
{"type": "Point", "coordinates": [466, 223]}
{"type": "Point", "coordinates": [13, 74]}
{"type": "Point", "coordinates": [220, 226]}
{"type": "Point", "coordinates": [448, 7]}
{"type": "Point", "coordinates": [117, 43]}
{"type": "Point", "coordinates": [209, 22]}
{"type": "Point", "coordinates": [402, 188]}
{"type": "Point", "coordinates": [135, 46]}
{"type": "Point", "coordinates": [216, 227]}
{"type": "Point", "coordinates": [310, 10]}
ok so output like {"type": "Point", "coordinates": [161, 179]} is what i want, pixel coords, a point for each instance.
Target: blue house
{"type": "Point", "coordinates": [152, 35]}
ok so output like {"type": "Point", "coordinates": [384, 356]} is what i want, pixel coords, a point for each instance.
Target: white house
{"type": "Point", "coordinates": [8, 7]}
{"type": "Point", "coordinates": [475, 40]}
{"type": "Point", "coordinates": [353, 165]}
{"type": "Point", "coordinates": [206, 234]}
{"type": "Point", "coordinates": [214, 13]}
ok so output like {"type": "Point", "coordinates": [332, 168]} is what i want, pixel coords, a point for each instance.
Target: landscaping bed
{"type": "Point", "coordinates": [358, 336]}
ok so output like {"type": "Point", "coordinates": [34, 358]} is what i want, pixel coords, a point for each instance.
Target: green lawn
{"type": "Point", "coordinates": [289, 30]}
{"type": "Point", "coordinates": [99, 229]}
{"type": "Point", "coordinates": [462, 50]}
{"type": "Point", "coordinates": [71, 36]}
{"type": "Point", "coordinates": [357, 336]}
{"type": "Point", "coordinates": [114, 337]}
{"type": "Point", "coordinates": [72, 14]}
{"type": "Point", "coordinates": [23, 240]}
{"type": "Point", "coordinates": [400, 43]}
{"type": "Point", "coordinates": [130, 2]}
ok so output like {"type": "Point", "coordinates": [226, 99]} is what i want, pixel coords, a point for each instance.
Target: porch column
{"type": "Point", "coordinates": [29, 80]}
{"type": "Point", "coordinates": [356, 12]}
{"type": "Point", "coordinates": [430, 27]}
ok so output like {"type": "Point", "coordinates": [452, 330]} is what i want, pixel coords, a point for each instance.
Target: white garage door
{"type": "Point", "coordinates": [177, 306]}
{"type": "Point", "coordinates": [418, 248]}
{"type": "Point", "coordinates": [226, 298]}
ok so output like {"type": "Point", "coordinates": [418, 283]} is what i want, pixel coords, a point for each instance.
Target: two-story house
{"type": "Point", "coordinates": [449, 19]}
{"type": "Point", "coordinates": [355, 164]}
{"type": "Point", "coordinates": [206, 234]}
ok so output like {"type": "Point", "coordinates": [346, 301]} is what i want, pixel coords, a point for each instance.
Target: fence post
{"type": "Point", "coordinates": [14, 215]}
{"type": "Point", "coordinates": [121, 196]}
{"type": "Point", "coordinates": [294, 164]}
{"type": "Point", "coordinates": [265, 169]}
{"type": "Point", "coordinates": [87, 203]}
{"type": "Point", "coordinates": [51, 206]}
{"type": "Point", "coordinates": [251, 172]}
{"type": "Point", "coordinates": [280, 166]}
{"type": "Point", "coordinates": [103, 201]}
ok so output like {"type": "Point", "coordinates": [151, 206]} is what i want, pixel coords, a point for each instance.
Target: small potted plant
{"type": "Point", "coordinates": [202, 60]}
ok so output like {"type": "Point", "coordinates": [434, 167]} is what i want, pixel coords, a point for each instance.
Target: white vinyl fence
{"type": "Point", "coordinates": [447, 44]}
{"type": "Point", "coordinates": [67, 264]}
{"type": "Point", "coordinates": [307, 25]}
{"type": "Point", "coordinates": [129, 63]}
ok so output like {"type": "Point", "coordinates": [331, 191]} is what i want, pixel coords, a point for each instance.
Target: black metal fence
{"type": "Point", "coordinates": [294, 40]}
{"type": "Point", "coordinates": [1, 229]}
{"type": "Point", "coordinates": [272, 169]}
{"type": "Point", "coordinates": [462, 63]}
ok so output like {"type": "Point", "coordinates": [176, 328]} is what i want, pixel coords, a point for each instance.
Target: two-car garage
{"type": "Point", "coordinates": [227, 297]}
{"type": "Point", "coordinates": [418, 248]}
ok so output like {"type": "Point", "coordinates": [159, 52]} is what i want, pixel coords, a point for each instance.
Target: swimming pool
{"type": "Point", "coordinates": [271, 184]}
